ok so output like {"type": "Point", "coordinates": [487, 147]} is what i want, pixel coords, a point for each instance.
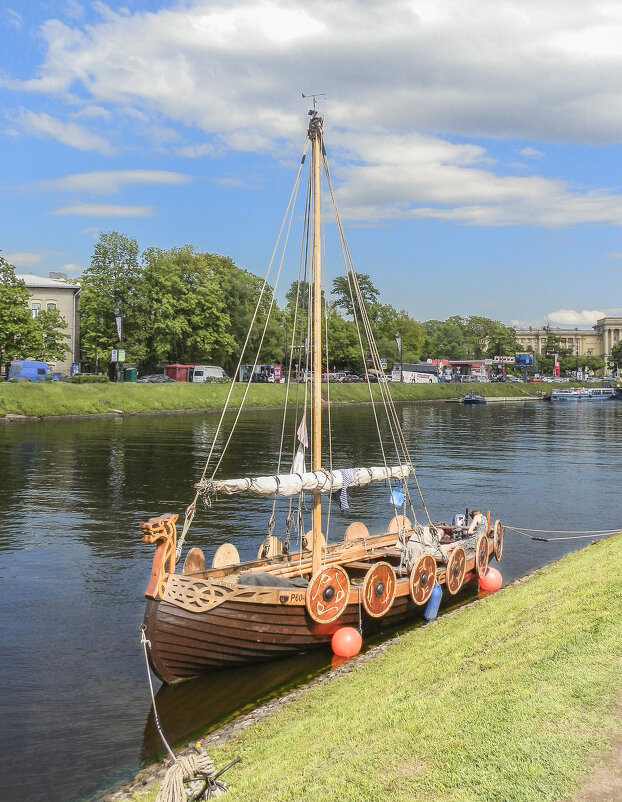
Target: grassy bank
{"type": "Point", "coordinates": [43, 400]}
{"type": "Point", "coordinates": [511, 699]}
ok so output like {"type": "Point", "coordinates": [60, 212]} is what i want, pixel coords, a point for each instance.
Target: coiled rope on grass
{"type": "Point", "coordinates": [561, 534]}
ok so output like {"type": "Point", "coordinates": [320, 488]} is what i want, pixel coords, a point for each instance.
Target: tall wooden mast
{"type": "Point", "coordinates": [315, 135]}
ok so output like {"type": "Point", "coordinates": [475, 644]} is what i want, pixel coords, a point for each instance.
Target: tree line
{"type": "Point", "coordinates": [182, 305]}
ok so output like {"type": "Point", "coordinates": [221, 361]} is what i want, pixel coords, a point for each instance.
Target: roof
{"type": "Point", "coordinates": [30, 280]}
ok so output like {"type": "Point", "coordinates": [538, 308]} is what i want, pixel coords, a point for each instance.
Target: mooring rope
{"type": "Point", "coordinates": [566, 534]}
{"type": "Point", "coordinates": [145, 642]}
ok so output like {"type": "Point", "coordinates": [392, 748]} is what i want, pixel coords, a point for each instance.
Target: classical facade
{"type": "Point", "coordinates": [597, 341]}
{"type": "Point", "coordinates": [56, 292]}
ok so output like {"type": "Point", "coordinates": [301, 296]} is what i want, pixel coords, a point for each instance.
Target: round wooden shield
{"type": "Point", "coordinates": [378, 591]}
{"type": "Point", "coordinates": [422, 579]}
{"type": "Point", "coordinates": [356, 531]}
{"type": "Point", "coordinates": [481, 554]}
{"type": "Point", "coordinates": [498, 540]}
{"type": "Point", "coordinates": [327, 594]}
{"type": "Point", "coordinates": [194, 562]}
{"type": "Point", "coordinates": [226, 554]}
{"type": "Point", "coordinates": [455, 570]}
{"type": "Point", "coordinates": [307, 540]}
{"type": "Point", "coordinates": [274, 547]}
{"type": "Point", "coordinates": [397, 523]}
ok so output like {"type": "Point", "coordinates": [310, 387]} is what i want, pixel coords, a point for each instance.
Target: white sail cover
{"type": "Point", "coordinates": [289, 484]}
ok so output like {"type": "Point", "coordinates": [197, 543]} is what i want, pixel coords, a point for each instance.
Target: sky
{"type": "Point", "coordinates": [475, 146]}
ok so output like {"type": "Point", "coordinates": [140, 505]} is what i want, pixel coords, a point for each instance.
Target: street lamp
{"type": "Point", "coordinates": [398, 340]}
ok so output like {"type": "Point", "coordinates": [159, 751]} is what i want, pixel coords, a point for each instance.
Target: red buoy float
{"type": "Point", "coordinates": [490, 581]}
{"type": "Point", "coordinates": [346, 642]}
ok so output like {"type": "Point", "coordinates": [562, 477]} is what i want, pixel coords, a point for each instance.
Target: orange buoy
{"type": "Point", "coordinates": [346, 642]}
{"type": "Point", "coordinates": [490, 581]}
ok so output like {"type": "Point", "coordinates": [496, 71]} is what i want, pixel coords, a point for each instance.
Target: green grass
{"type": "Point", "coordinates": [510, 699]}
{"type": "Point", "coordinates": [58, 398]}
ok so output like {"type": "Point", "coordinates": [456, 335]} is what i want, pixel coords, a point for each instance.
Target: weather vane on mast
{"type": "Point", "coordinates": [319, 94]}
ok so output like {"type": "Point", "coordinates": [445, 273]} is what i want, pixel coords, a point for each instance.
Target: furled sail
{"type": "Point", "coordinates": [289, 484]}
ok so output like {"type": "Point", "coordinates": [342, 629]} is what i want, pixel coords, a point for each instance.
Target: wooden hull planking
{"type": "Point", "coordinates": [266, 625]}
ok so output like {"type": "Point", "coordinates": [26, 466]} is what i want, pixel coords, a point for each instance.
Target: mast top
{"type": "Point", "coordinates": [315, 125]}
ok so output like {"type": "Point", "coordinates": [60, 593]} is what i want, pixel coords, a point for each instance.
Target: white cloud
{"type": "Point", "coordinates": [531, 153]}
{"type": "Point", "coordinates": [521, 68]}
{"type": "Point", "coordinates": [70, 268]}
{"type": "Point", "coordinates": [25, 258]}
{"type": "Point", "coordinates": [15, 19]}
{"type": "Point", "coordinates": [413, 177]}
{"type": "Point", "coordinates": [73, 9]}
{"type": "Point", "coordinates": [104, 210]}
{"type": "Point", "coordinates": [569, 317]}
{"type": "Point", "coordinates": [196, 151]}
{"type": "Point", "coordinates": [234, 73]}
{"type": "Point", "coordinates": [75, 136]}
{"type": "Point", "coordinates": [112, 181]}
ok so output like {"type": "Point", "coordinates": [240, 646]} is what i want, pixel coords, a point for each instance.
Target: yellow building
{"type": "Point", "coordinates": [56, 292]}
{"type": "Point", "coordinates": [597, 341]}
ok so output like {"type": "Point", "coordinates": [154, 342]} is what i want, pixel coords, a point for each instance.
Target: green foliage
{"type": "Point", "coordinates": [616, 356]}
{"type": "Point", "coordinates": [345, 291]}
{"type": "Point", "coordinates": [52, 326]}
{"type": "Point", "coordinates": [80, 378]}
{"type": "Point", "coordinates": [111, 287]}
{"type": "Point", "coordinates": [475, 337]}
{"type": "Point", "coordinates": [19, 333]}
{"type": "Point", "coordinates": [185, 305]}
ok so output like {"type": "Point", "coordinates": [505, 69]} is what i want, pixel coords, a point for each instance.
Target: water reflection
{"type": "Point", "coordinates": [73, 570]}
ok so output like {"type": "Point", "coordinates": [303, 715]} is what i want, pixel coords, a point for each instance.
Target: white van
{"type": "Point", "coordinates": [207, 373]}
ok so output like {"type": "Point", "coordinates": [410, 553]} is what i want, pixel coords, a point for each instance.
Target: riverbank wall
{"type": "Point", "coordinates": [25, 400]}
{"type": "Point", "coordinates": [515, 696]}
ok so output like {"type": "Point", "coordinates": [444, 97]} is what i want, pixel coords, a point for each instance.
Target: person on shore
{"type": "Point", "coordinates": [478, 526]}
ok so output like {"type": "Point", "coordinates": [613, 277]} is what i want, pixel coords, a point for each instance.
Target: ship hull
{"type": "Point", "coordinates": [183, 643]}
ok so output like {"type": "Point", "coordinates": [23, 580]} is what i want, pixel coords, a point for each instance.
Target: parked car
{"type": "Point", "coordinates": [352, 378]}
{"type": "Point", "coordinates": [534, 379]}
{"type": "Point", "coordinates": [155, 378]}
{"type": "Point", "coordinates": [60, 376]}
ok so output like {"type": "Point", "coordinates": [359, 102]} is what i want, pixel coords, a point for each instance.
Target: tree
{"type": "Point", "coordinates": [344, 290]}
{"type": "Point", "coordinates": [111, 287]}
{"type": "Point", "coordinates": [18, 329]}
{"type": "Point", "coordinates": [615, 358]}
{"type": "Point", "coordinates": [241, 292]}
{"type": "Point", "coordinates": [52, 333]}
{"type": "Point", "coordinates": [185, 317]}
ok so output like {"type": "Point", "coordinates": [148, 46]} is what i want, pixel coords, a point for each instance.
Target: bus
{"type": "Point", "coordinates": [419, 374]}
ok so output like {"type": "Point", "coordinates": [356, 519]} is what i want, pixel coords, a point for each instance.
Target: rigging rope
{"type": "Point", "coordinates": [568, 534]}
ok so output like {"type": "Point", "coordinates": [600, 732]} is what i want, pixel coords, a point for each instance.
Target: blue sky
{"type": "Point", "coordinates": [475, 146]}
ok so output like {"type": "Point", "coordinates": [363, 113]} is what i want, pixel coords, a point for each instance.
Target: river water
{"type": "Point", "coordinates": [75, 706]}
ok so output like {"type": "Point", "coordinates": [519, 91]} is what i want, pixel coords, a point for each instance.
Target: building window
{"type": "Point", "coordinates": [50, 306]}
{"type": "Point", "coordinates": [36, 308]}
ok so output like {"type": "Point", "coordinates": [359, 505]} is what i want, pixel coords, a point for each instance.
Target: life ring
{"type": "Point", "coordinates": [422, 579]}
{"type": "Point", "coordinates": [327, 594]}
{"type": "Point", "coordinates": [378, 590]}
{"type": "Point", "coordinates": [481, 554]}
{"type": "Point", "coordinates": [498, 540]}
{"type": "Point", "coordinates": [455, 571]}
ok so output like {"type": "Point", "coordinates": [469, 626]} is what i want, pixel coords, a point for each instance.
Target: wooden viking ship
{"type": "Point", "coordinates": [288, 601]}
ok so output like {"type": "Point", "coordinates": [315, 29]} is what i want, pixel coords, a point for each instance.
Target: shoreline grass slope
{"type": "Point", "coordinates": [60, 398]}
{"type": "Point", "coordinates": [512, 698]}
